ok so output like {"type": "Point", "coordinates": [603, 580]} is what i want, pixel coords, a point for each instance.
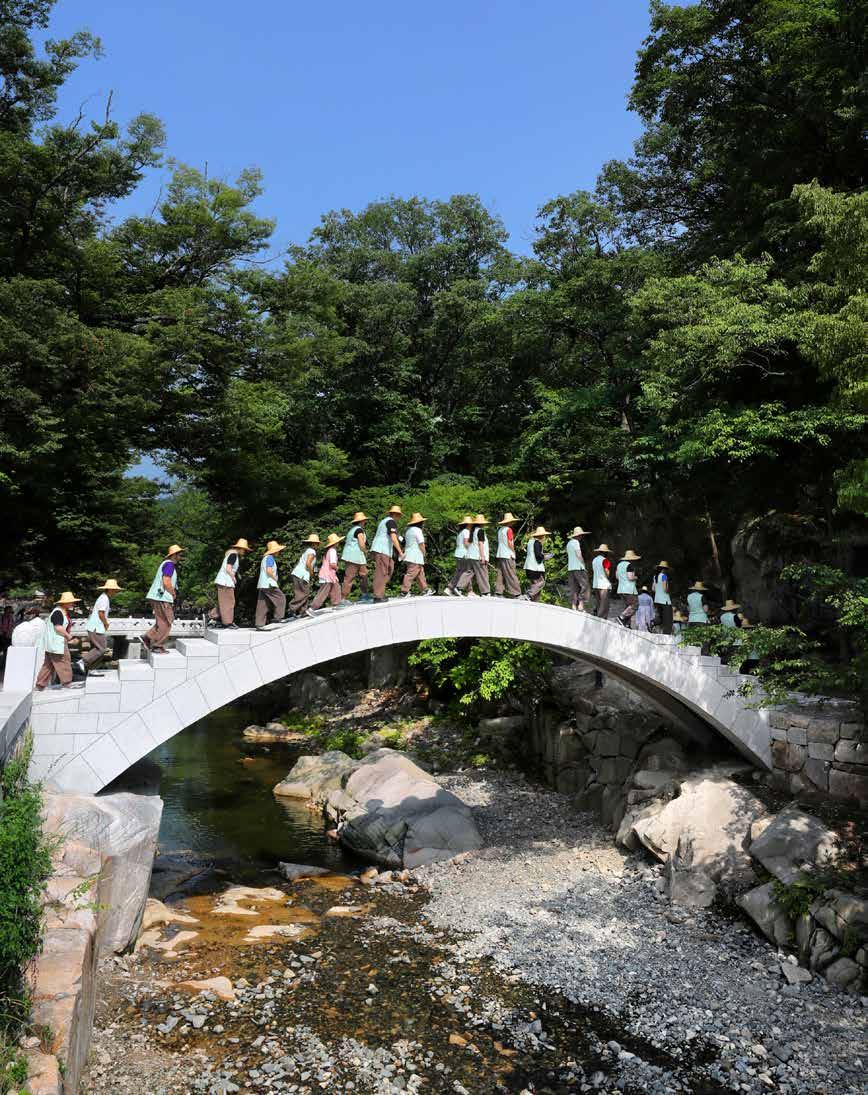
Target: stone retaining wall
{"type": "Point", "coordinates": [820, 746]}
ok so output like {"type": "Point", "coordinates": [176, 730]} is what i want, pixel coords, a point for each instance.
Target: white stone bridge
{"type": "Point", "coordinates": [84, 738]}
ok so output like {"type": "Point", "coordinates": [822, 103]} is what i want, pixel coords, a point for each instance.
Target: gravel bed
{"type": "Point", "coordinates": [550, 899]}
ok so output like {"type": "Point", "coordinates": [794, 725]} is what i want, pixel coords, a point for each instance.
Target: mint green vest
{"type": "Point", "coordinates": [352, 553]}
{"type": "Point", "coordinates": [661, 589]}
{"type": "Point", "coordinates": [600, 579]}
{"type": "Point", "coordinates": [300, 569]}
{"type": "Point", "coordinates": [574, 555]}
{"type": "Point", "coordinates": [504, 551]}
{"type": "Point", "coordinates": [266, 582]}
{"type": "Point", "coordinates": [382, 541]}
{"type": "Point", "coordinates": [727, 619]}
{"type": "Point", "coordinates": [412, 551]}
{"type": "Point", "coordinates": [460, 549]}
{"type": "Point", "coordinates": [625, 584]}
{"type": "Point", "coordinates": [697, 614]}
{"type": "Point", "coordinates": [94, 623]}
{"type": "Point", "coordinates": [530, 562]}
{"type": "Point", "coordinates": [223, 578]}
{"type": "Point", "coordinates": [157, 592]}
{"type": "Point", "coordinates": [473, 551]}
{"type": "Point", "coordinates": [54, 643]}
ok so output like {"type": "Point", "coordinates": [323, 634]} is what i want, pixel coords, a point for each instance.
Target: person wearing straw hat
{"type": "Point", "coordinates": [577, 572]}
{"type": "Point", "coordinates": [504, 558]}
{"type": "Point", "coordinates": [679, 621]}
{"type": "Point", "coordinates": [162, 595]}
{"type": "Point", "coordinates": [534, 563]}
{"type": "Point", "coordinates": [752, 660]}
{"type": "Point", "coordinates": [270, 598]}
{"type": "Point", "coordinates": [384, 548]}
{"type": "Point", "coordinates": [729, 614]}
{"type": "Point", "coordinates": [477, 559]}
{"type": "Point", "coordinates": [662, 599]}
{"type": "Point", "coordinates": [97, 625]}
{"type": "Point", "coordinates": [601, 570]}
{"type": "Point", "coordinates": [329, 585]}
{"type": "Point", "coordinates": [697, 609]}
{"type": "Point", "coordinates": [301, 577]}
{"type": "Point", "coordinates": [226, 581]}
{"type": "Point", "coordinates": [56, 635]}
{"type": "Point", "coordinates": [462, 543]}
{"type": "Point", "coordinates": [414, 557]}
{"type": "Point", "coordinates": [626, 575]}
{"type": "Point", "coordinates": [354, 557]}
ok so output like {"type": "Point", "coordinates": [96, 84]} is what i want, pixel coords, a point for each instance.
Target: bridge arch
{"type": "Point", "coordinates": [82, 743]}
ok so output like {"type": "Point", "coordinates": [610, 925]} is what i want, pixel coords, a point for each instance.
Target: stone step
{"type": "Point", "coordinates": [196, 648]}
{"type": "Point", "coordinates": [171, 659]}
{"type": "Point", "coordinates": [134, 669]}
{"type": "Point", "coordinates": [108, 682]}
{"type": "Point", "coordinates": [239, 637]}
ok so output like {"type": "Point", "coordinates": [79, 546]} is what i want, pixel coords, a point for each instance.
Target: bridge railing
{"type": "Point", "coordinates": [133, 627]}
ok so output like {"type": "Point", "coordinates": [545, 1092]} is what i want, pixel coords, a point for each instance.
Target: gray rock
{"type": "Point", "coordinates": [795, 975]}
{"type": "Point", "coordinates": [794, 839]}
{"type": "Point", "coordinates": [761, 906]}
{"type": "Point", "coordinates": [313, 777]}
{"type": "Point", "coordinates": [652, 781]}
{"type": "Point", "coordinates": [501, 727]}
{"type": "Point", "coordinates": [844, 973]}
{"type": "Point", "coordinates": [294, 871]}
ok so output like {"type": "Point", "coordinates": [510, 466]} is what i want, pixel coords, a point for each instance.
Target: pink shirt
{"type": "Point", "coordinates": [328, 571]}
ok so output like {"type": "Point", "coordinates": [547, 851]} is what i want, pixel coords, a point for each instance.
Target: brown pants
{"type": "Point", "coordinates": [580, 588]}
{"type": "Point", "coordinates": [415, 573]}
{"type": "Point", "coordinates": [55, 664]}
{"type": "Point", "coordinates": [601, 596]}
{"type": "Point", "coordinates": [506, 578]}
{"type": "Point", "coordinates": [351, 572]}
{"type": "Point", "coordinates": [97, 649]}
{"type": "Point", "coordinates": [164, 614]}
{"type": "Point", "coordinates": [631, 603]}
{"type": "Point", "coordinates": [301, 589]}
{"type": "Point", "coordinates": [460, 567]}
{"type": "Point", "coordinates": [384, 567]}
{"type": "Point", "coordinates": [226, 604]}
{"type": "Point", "coordinates": [537, 579]}
{"type": "Point", "coordinates": [477, 572]}
{"type": "Point", "coordinates": [269, 602]}
{"type": "Point", "coordinates": [327, 591]}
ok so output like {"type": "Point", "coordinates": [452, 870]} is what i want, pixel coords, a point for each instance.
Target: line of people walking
{"type": "Point", "coordinates": [592, 579]}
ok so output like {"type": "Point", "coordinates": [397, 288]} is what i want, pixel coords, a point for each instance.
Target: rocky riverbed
{"type": "Point", "coordinates": [546, 962]}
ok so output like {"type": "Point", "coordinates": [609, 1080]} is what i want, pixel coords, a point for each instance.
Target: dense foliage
{"type": "Point", "coordinates": [25, 864]}
{"type": "Point", "coordinates": [683, 351]}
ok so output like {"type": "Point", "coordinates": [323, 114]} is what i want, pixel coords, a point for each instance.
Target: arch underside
{"type": "Point", "coordinates": [674, 680]}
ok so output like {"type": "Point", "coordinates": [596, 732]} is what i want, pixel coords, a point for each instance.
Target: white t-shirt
{"type": "Point", "coordinates": [102, 604]}
{"type": "Point", "coordinates": [28, 632]}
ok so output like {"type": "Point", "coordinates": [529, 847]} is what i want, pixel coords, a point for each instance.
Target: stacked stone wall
{"type": "Point", "coordinates": [820, 746]}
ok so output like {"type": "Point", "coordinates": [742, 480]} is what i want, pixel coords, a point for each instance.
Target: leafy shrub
{"type": "Point", "coordinates": [483, 670]}
{"type": "Point", "coordinates": [797, 897]}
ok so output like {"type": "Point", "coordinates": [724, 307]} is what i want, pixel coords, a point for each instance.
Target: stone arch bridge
{"type": "Point", "coordinates": [84, 738]}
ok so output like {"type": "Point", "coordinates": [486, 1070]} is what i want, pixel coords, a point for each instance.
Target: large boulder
{"type": "Point", "coordinates": [705, 828]}
{"type": "Point", "coordinates": [792, 841]}
{"type": "Point", "coordinates": [314, 777]}
{"type": "Point", "coordinates": [401, 816]}
{"type": "Point", "coordinates": [112, 837]}
{"type": "Point", "coordinates": [770, 917]}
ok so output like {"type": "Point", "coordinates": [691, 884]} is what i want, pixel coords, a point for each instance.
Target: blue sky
{"type": "Point", "coordinates": [342, 104]}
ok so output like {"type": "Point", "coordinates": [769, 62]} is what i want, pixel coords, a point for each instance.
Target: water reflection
{"type": "Point", "coordinates": [217, 791]}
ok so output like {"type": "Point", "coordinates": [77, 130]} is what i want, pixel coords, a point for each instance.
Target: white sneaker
{"type": "Point", "coordinates": [447, 592]}
{"type": "Point", "coordinates": [472, 594]}
{"type": "Point", "coordinates": [309, 612]}
{"type": "Point", "coordinates": [404, 596]}
{"type": "Point", "coordinates": [428, 592]}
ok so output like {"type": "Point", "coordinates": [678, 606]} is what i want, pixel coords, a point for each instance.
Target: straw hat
{"type": "Point", "coordinates": [273, 547]}
{"type": "Point", "coordinates": [110, 585]}
{"type": "Point", "coordinates": [679, 617]}
{"type": "Point", "coordinates": [359, 516]}
{"type": "Point", "coordinates": [662, 565]}
{"type": "Point", "coordinates": [417, 519]}
{"type": "Point", "coordinates": [699, 587]}
{"type": "Point", "coordinates": [630, 556]}
{"type": "Point", "coordinates": [579, 531]}
{"type": "Point", "coordinates": [67, 599]}
{"type": "Point", "coordinates": [539, 531]}
{"type": "Point", "coordinates": [745, 622]}
{"type": "Point", "coordinates": [240, 545]}
{"type": "Point", "coordinates": [175, 549]}
{"type": "Point", "coordinates": [644, 589]}
{"type": "Point", "coordinates": [467, 519]}
{"type": "Point", "coordinates": [508, 519]}
{"type": "Point", "coordinates": [333, 539]}
{"type": "Point", "coordinates": [730, 605]}
{"type": "Point", "coordinates": [312, 539]}
{"type": "Point", "coordinates": [604, 548]}
{"type": "Point", "coordinates": [480, 519]}
{"type": "Point", "coordinates": [395, 511]}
